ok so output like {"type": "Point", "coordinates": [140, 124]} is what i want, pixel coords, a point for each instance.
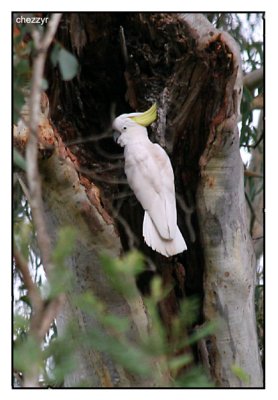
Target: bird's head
{"type": "Point", "coordinates": [128, 126]}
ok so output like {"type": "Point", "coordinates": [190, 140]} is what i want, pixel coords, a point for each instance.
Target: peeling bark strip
{"type": "Point", "coordinates": [193, 73]}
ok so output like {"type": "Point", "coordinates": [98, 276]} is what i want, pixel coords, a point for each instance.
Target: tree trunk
{"type": "Point", "coordinates": [193, 73]}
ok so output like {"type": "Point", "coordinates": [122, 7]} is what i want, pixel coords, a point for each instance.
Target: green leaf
{"type": "Point", "coordinates": [205, 330]}
{"type": "Point", "coordinates": [240, 373]}
{"type": "Point", "coordinates": [62, 350]}
{"type": "Point", "coordinates": [156, 342]}
{"type": "Point", "coordinates": [118, 324]}
{"type": "Point", "coordinates": [156, 289]}
{"type": "Point", "coordinates": [44, 84]}
{"type": "Point", "coordinates": [189, 310]}
{"type": "Point", "coordinates": [18, 103]}
{"type": "Point", "coordinates": [18, 160]}
{"type": "Point", "coordinates": [23, 236]}
{"type": "Point", "coordinates": [68, 64]}
{"type": "Point", "coordinates": [91, 305]}
{"type": "Point", "coordinates": [54, 56]}
{"type": "Point", "coordinates": [27, 355]}
{"type": "Point", "coordinates": [122, 272]}
{"type": "Point", "coordinates": [20, 325]}
{"type": "Point", "coordinates": [193, 378]}
{"type": "Point", "coordinates": [88, 303]}
{"type": "Point", "coordinates": [64, 246]}
{"type": "Point", "coordinates": [22, 73]}
{"type": "Point", "coordinates": [130, 357]}
{"type": "Point", "coordinates": [26, 300]}
{"type": "Point", "coordinates": [21, 81]}
{"type": "Point", "coordinates": [179, 361]}
{"type": "Point", "coordinates": [61, 278]}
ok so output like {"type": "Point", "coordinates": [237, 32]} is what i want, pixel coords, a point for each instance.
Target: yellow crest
{"type": "Point", "coordinates": [147, 117]}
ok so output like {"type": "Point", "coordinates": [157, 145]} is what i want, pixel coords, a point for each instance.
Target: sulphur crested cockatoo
{"type": "Point", "coordinates": [150, 175]}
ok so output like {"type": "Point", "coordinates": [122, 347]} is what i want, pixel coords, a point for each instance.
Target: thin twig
{"type": "Point", "coordinates": [91, 138]}
{"type": "Point", "coordinates": [258, 238]}
{"type": "Point", "coordinates": [252, 211]}
{"type": "Point", "coordinates": [188, 211]}
{"type": "Point", "coordinates": [98, 177]}
{"type": "Point", "coordinates": [133, 240]}
{"type": "Point", "coordinates": [33, 177]}
{"type": "Point", "coordinates": [107, 155]}
{"type": "Point", "coordinates": [259, 141]}
{"type": "Point", "coordinates": [253, 146]}
{"type": "Point", "coordinates": [130, 93]}
{"type": "Point", "coordinates": [43, 312]}
{"type": "Point", "coordinates": [24, 188]}
{"type": "Point", "coordinates": [42, 318]}
{"type": "Point", "coordinates": [31, 287]}
{"type": "Point", "coordinates": [109, 168]}
{"type": "Point", "coordinates": [257, 103]}
{"type": "Point", "coordinates": [123, 45]}
{"type": "Point", "coordinates": [252, 174]}
{"type": "Point", "coordinates": [254, 78]}
{"type": "Point", "coordinates": [50, 312]}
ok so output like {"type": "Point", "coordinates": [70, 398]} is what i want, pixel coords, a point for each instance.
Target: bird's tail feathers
{"type": "Point", "coordinates": [156, 242]}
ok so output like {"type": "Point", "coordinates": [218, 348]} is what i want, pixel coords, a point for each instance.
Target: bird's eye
{"type": "Point", "coordinates": [124, 128]}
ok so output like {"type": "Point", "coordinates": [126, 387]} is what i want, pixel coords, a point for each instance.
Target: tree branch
{"type": "Point", "coordinates": [257, 103]}
{"type": "Point", "coordinates": [42, 316]}
{"type": "Point", "coordinates": [31, 287]}
{"type": "Point", "coordinates": [33, 177]}
{"type": "Point", "coordinates": [43, 312]}
{"type": "Point", "coordinates": [253, 79]}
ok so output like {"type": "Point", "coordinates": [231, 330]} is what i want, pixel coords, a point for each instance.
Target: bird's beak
{"type": "Point", "coordinates": [116, 136]}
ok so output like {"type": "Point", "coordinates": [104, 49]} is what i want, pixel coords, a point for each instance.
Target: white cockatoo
{"type": "Point", "coordinates": [150, 175]}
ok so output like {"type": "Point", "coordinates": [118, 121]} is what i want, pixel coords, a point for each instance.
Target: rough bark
{"type": "Point", "coordinates": [193, 73]}
{"type": "Point", "coordinates": [230, 263]}
{"type": "Point", "coordinates": [71, 200]}
{"type": "Point", "coordinates": [229, 279]}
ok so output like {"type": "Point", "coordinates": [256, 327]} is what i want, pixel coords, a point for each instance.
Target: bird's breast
{"type": "Point", "coordinates": [135, 153]}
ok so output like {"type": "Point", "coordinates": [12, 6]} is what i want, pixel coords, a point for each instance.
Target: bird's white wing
{"type": "Point", "coordinates": [167, 176]}
{"type": "Point", "coordinates": [150, 175]}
